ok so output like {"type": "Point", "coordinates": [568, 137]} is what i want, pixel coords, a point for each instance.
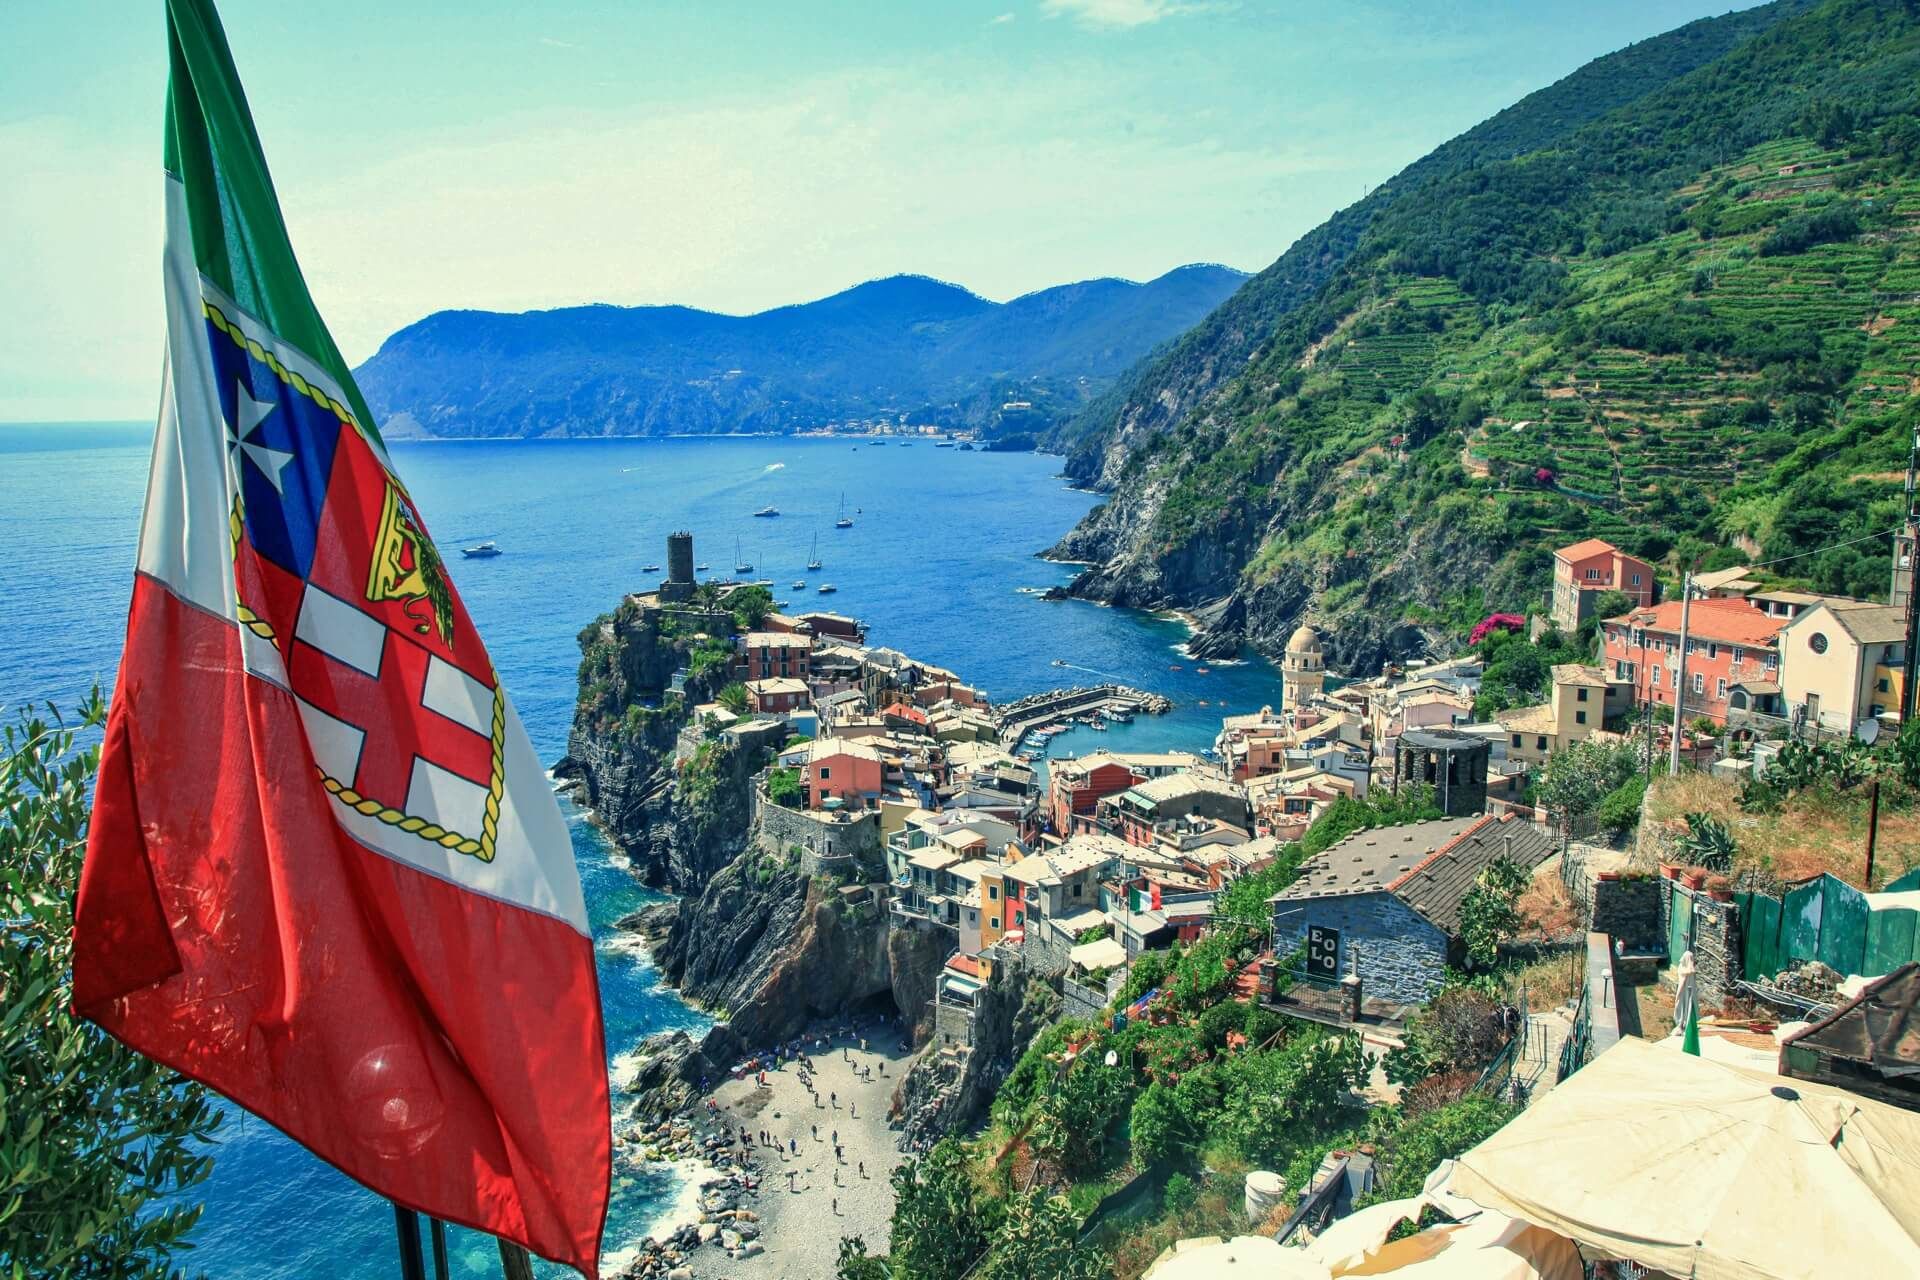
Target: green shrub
{"type": "Point", "coordinates": [1179, 1194]}
{"type": "Point", "coordinates": [101, 1148]}
{"type": "Point", "coordinates": [1620, 810]}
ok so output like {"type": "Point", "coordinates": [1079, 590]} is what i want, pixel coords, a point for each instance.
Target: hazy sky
{"type": "Point", "coordinates": [727, 154]}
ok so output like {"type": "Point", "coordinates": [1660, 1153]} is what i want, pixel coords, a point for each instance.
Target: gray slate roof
{"type": "Point", "coordinates": [1429, 865]}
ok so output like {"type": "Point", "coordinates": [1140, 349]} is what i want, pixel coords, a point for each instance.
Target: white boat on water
{"type": "Point", "coordinates": [799, 584]}
{"type": "Point", "coordinates": [767, 511]}
{"type": "Point", "coordinates": [740, 565]}
{"type": "Point", "coordinates": [813, 556]}
{"type": "Point", "coordinates": [480, 550]}
{"type": "Point", "coordinates": [827, 588]}
{"type": "Point", "coordinates": [845, 521]}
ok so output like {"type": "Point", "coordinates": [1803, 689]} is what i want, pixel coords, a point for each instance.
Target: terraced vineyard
{"type": "Point", "coordinates": [1616, 423]}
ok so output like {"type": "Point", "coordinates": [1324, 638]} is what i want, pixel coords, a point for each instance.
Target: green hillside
{"type": "Point", "coordinates": [1161, 389]}
{"type": "Point", "coordinates": [1692, 328]}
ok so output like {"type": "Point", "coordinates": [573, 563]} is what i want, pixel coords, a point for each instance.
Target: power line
{"type": "Point", "coordinates": [1799, 555]}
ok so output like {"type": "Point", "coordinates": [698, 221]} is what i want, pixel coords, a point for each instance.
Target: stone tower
{"type": "Point", "coordinates": [679, 583]}
{"type": "Point", "coordinates": [1453, 764]}
{"type": "Point", "coordinates": [1304, 667]}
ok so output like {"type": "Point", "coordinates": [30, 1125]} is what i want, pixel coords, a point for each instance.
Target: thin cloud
{"type": "Point", "coordinates": [1121, 14]}
{"type": "Point", "coordinates": [1000, 21]}
{"type": "Point", "coordinates": [550, 42]}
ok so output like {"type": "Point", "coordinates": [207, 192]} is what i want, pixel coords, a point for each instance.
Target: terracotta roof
{"type": "Point", "coordinates": [1721, 621]}
{"type": "Point", "coordinates": [905, 712]}
{"type": "Point", "coordinates": [1579, 673]}
{"type": "Point", "coordinates": [966, 964]}
{"type": "Point", "coordinates": [1589, 547]}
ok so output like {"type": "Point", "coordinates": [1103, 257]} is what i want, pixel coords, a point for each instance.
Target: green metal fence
{"type": "Point", "coordinates": [1827, 920]}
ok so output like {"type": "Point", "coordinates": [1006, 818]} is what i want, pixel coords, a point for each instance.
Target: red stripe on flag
{"type": "Point", "coordinates": [439, 1046]}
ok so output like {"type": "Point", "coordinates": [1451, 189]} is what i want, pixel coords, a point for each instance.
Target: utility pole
{"type": "Point", "coordinates": [1680, 687]}
{"type": "Point", "coordinates": [1912, 535]}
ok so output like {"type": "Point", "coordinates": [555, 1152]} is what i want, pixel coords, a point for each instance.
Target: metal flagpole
{"type": "Point", "coordinates": [1910, 660]}
{"type": "Point", "coordinates": [437, 1232]}
{"type": "Point", "coordinates": [1680, 687]}
{"type": "Point", "coordinates": [413, 1265]}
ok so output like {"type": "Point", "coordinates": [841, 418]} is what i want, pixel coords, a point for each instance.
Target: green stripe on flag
{"type": "Point", "coordinates": [239, 238]}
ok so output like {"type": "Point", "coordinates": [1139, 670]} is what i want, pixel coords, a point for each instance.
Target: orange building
{"type": "Point", "coordinates": [1729, 642]}
{"type": "Point", "coordinates": [1585, 569]}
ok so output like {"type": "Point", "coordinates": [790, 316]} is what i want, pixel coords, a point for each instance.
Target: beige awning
{"type": "Point", "coordinates": [1703, 1169]}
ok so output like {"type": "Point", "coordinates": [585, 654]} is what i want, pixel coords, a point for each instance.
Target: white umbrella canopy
{"type": "Point", "coordinates": [1707, 1170]}
{"type": "Point", "coordinates": [1488, 1246]}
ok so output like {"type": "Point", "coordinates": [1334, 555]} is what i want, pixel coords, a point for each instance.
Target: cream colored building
{"type": "Point", "coordinates": [1579, 706]}
{"type": "Point", "coordinates": [1835, 659]}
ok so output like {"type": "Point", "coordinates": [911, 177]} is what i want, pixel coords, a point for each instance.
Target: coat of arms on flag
{"type": "Point", "coordinates": [326, 873]}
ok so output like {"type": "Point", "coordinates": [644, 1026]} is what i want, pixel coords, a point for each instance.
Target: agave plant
{"type": "Point", "coordinates": [1708, 843]}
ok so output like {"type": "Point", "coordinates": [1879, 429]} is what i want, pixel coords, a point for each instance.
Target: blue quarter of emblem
{"type": "Point", "coordinates": [281, 445]}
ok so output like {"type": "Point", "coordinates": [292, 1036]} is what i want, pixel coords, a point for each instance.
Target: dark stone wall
{"type": "Point", "coordinates": [1718, 943]}
{"type": "Point", "coordinates": [1403, 958]}
{"type": "Point", "coordinates": [1631, 912]}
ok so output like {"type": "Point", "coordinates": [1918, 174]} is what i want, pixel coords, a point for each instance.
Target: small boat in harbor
{"type": "Point", "coordinates": [766, 511]}
{"type": "Point", "coordinates": [813, 556]}
{"type": "Point", "coordinates": [480, 550]}
{"type": "Point", "coordinates": [701, 568]}
{"type": "Point", "coordinates": [740, 565]}
{"type": "Point", "coordinates": [799, 584]}
{"type": "Point", "coordinates": [649, 568]}
{"type": "Point", "coordinates": [827, 588]}
{"type": "Point", "coordinates": [845, 521]}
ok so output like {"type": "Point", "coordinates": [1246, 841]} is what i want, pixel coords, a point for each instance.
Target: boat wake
{"type": "Point", "coordinates": [774, 466]}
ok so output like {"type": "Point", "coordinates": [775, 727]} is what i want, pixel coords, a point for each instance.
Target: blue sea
{"type": "Point", "coordinates": [939, 562]}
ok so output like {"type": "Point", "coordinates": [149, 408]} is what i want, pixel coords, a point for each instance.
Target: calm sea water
{"type": "Point", "coordinates": [941, 548]}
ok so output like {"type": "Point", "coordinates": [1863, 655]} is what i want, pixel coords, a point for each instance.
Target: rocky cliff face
{"type": "Point", "coordinates": [1234, 607]}
{"type": "Point", "coordinates": [620, 754]}
{"type": "Point", "coordinates": [948, 1091]}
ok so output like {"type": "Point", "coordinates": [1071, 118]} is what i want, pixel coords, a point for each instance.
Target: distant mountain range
{"type": "Point", "coordinates": [905, 345]}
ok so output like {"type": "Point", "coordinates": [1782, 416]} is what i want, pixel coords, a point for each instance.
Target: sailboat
{"type": "Point", "coordinates": [845, 521]}
{"type": "Point", "coordinates": [739, 565]}
{"type": "Point", "coordinates": [813, 556]}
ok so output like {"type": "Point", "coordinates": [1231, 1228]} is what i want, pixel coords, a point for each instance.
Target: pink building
{"type": "Point", "coordinates": [1585, 569]}
{"type": "Point", "coordinates": [848, 770]}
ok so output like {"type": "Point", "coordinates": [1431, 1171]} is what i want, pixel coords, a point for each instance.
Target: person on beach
{"type": "Point", "coordinates": [863, 1168]}
{"type": "Point", "coordinates": [836, 1206]}
{"type": "Point", "coordinates": [816, 1133]}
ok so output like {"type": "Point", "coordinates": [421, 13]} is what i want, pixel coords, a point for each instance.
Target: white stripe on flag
{"type": "Point", "coordinates": [185, 539]}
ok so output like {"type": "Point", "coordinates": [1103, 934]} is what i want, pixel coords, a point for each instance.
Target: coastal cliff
{"type": "Point", "coordinates": [758, 935]}
{"type": "Point", "coordinates": [621, 750]}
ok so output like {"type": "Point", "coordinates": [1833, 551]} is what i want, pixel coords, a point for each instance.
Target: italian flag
{"type": "Point", "coordinates": [326, 875]}
{"type": "Point", "coordinates": [1143, 897]}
